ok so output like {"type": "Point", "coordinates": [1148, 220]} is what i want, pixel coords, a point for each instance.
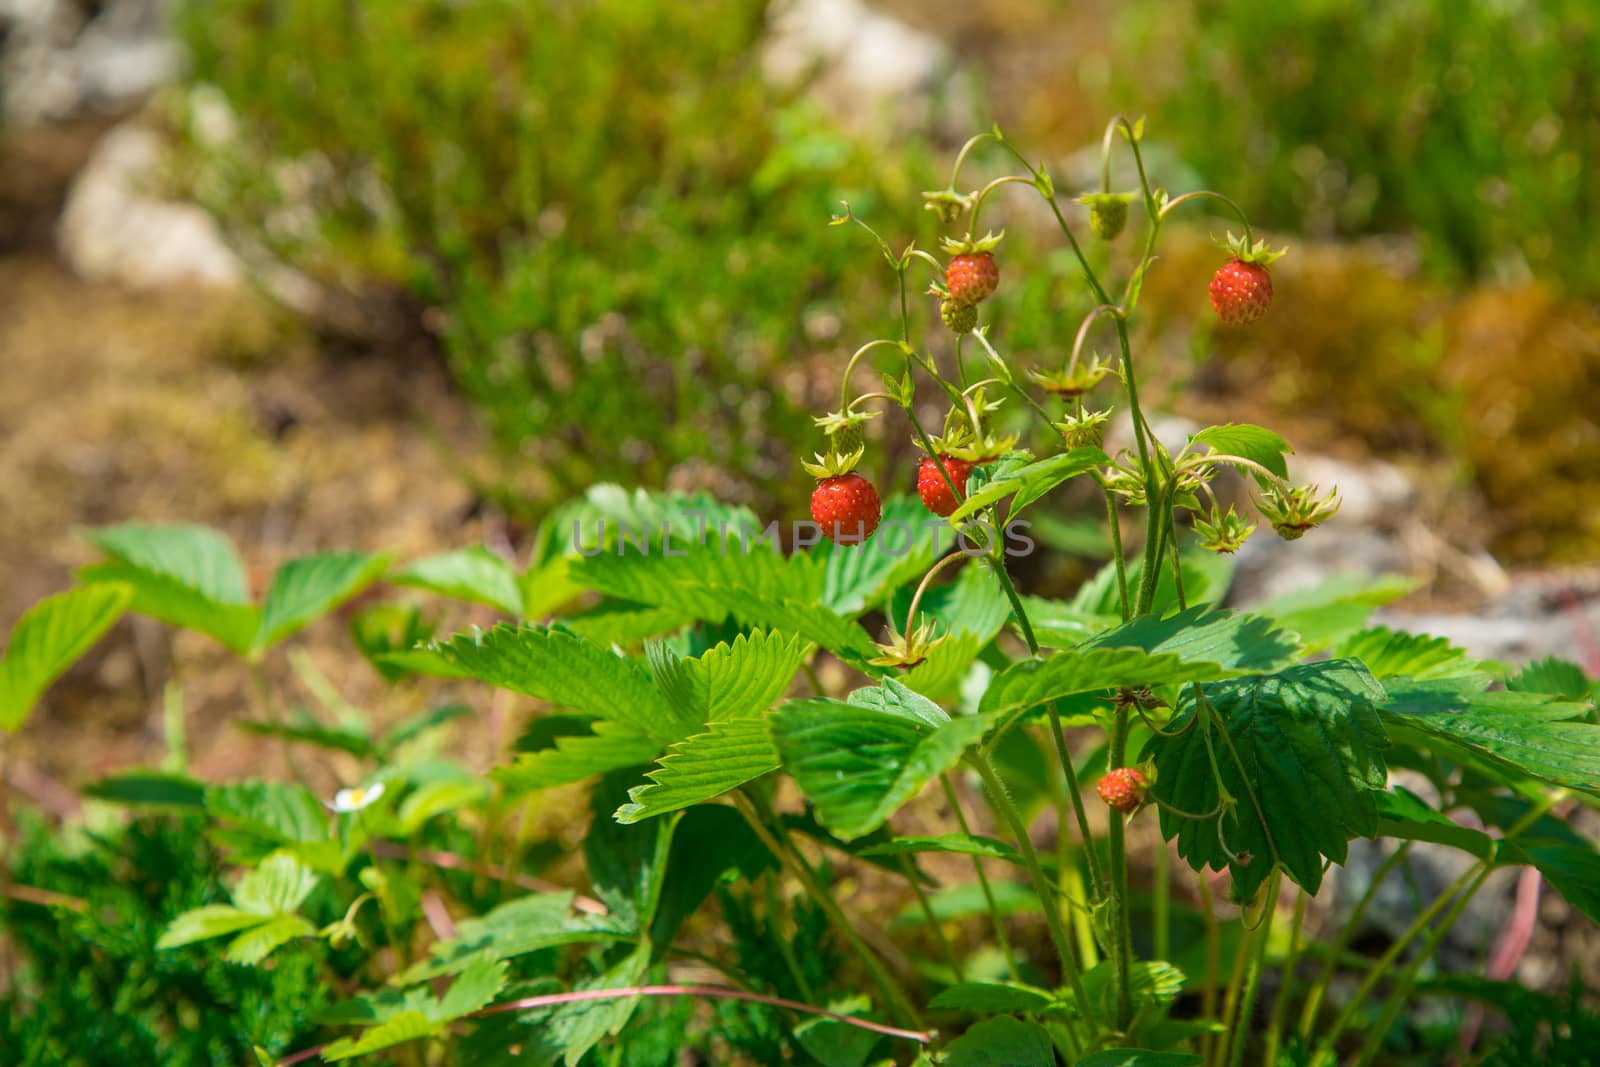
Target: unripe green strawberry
{"type": "Point", "coordinates": [1107, 218]}
{"type": "Point", "coordinates": [933, 490]}
{"type": "Point", "coordinates": [972, 277]}
{"type": "Point", "coordinates": [961, 318]}
{"type": "Point", "coordinates": [847, 508]}
{"type": "Point", "coordinates": [1123, 789]}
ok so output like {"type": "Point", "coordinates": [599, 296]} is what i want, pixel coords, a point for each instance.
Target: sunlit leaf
{"type": "Point", "coordinates": [49, 638]}
{"type": "Point", "coordinates": [475, 574]}
{"type": "Point", "coordinates": [309, 587]}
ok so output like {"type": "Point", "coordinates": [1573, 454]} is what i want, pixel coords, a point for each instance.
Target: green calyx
{"type": "Point", "coordinates": [947, 204]}
{"type": "Point", "coordinates": [833, 464]}
{"type": "Point", "coordinates": [1072, 381]}
{"type": "Point", "coordinates": [1293, 511]}
{"type": "Point", "coordinates": [968, 245]}
{"type": "Point", "coordinates": [1224, 532]}
{"type": "Point", "coordinates": [1247, 251]}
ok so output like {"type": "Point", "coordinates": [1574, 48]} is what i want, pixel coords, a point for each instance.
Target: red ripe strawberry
{"type": "Point", "coordinates": [1241, 292]}
{"type": "Point", "coordinates": [847, 508]}
{"type": "Point", "coordinates": [1123, 789]}
{"type": "Point", "coordinates": [971, 277]}
{"type": "Point", "coordinates": [931, 485]}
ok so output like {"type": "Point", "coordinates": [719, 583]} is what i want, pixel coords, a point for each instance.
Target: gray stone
{"type": "Point", "coordinates": [59, 58]}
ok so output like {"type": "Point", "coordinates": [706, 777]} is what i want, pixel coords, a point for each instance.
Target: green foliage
{"type": "Point", "coordinates": [1300, 755]}
{"type": "Point", "coordinates": [544, 175]}
{"type": "Point", "coordinates": [48, 639]}
{"type": "Point", "coordinates": [1403, 126]}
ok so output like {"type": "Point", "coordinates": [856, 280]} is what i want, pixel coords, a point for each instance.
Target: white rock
{"type": "Point", "coordinates": [114, 226]}
{"type": "Point", "coordinates": [868, 66]}
{"type": "Point", "coordinates": [60, 58]}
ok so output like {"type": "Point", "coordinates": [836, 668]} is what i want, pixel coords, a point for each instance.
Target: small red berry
{"type": "Point", "coordinates": [933, 490]}
{"type": "Point", "coordinates": [971, 277]}
{"type": "Point", "coordinates": [1123, 789]}
{"type": "Point", "coordinates": [847, 508]}
{"type": "Point", "coordinates": [1241, 292]}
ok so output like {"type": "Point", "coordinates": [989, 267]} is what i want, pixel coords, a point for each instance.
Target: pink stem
{"type": "Point", "coordinates": [1509, 949]}
{"type": "Point", "coordinates": [579, 995]}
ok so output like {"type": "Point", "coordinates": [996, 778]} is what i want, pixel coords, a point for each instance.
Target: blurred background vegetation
{"type": "Point", "coordinates": [612, 221]}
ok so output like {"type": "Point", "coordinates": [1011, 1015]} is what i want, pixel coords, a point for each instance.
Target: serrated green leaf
{"type": "Point", "coordinates": [196, 557]}
{"type": "Point", "coordinates": [859, 577]}
{"type": "Point", "coordinates": [1394, 654]}
{"type": "Point", "coordinates": [259, 942]}
{"type": "Point", "coordinates": [578, 1027]}
{"type": "Point", "coordinates": [474, 574]}
{"type": "Point", "coordinates": [165, 789]}
{"type": "Point", "coordinates": [1403, 814]}
{"type": "Point", "coordinates": [1031, 682]}
{"type": "Point", "coordinates": [1333, 608]}
{"type": "Point", "coordinates": [754, 585]}
{"type": "Point", "coordinates": [894, 698]}
{"type": "Point", "coordinates": [49, 638]}
{"type": "Point", "coordinates": [727, 755]}
{"type": "Point", "coordinates": [616, 623]}
{"type": "Point", "coordinates": [1529, 734]}
{"type": "Point", "coordinates": [423, 661]}
{"type": "Point", "coordinates": [1002, 1041]}
{"type": "Point", "coordinates": [574, 757]}
{"type": "Point", "coordinates": [1255, 443]}
{"type": "Point", "coordinates": [1309, 744]}
{"type": "Point", "coordinates": [182, 574]}
{"type": "Point", "coordinates": [1151, 982]}
{"type": "Point", "coordinates": [713, 844]}
{"type": "Point", "coordinates": [478, 984]}
{"type": "Point", "coordinates": [1235, 640]}
{"type": "Point", "coordinates": [406, 1026]}
{"type": "Point", "coordinates": [991, 998]}
{"type": "Point", "coordinates": [565, 669]}
{"type": "Point", "coordinates": [1031, 482]}
{"type": "Point", "coordinates": [278, 885]}
{"type": "Point", "coordinates": [859, 765]}
{"type": "Point", "coordinates": [1558, 677]}
{"type": "Point", "coordinates": [202, 924]}
{"type": "Point", "coordinates": [307, 588]}
{"type": "Point", "coordinates": [278, 812]}
{"type": "Point", "coordinates": [747, 677]}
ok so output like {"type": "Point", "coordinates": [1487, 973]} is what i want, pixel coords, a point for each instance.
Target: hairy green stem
{"type": "Point", "coordinates": [1121, 935]}
{"type": "Point", "coordinates": [1319, 988]}
{"type": "Point", "coordinates": [1280, 1007]}
{"type": "Point", "coordinates": [1042, 888]}
{"type": "Point", "coordinates": [1261, 938]}
{"type": "Point", "coordinates": [778, 843]}
{"type": "Point", "coordinates": [983, 880]}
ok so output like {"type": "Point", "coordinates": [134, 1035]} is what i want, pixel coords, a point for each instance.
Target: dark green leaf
{"type": "Point", "coordinates": [702, 767]}
{"type": "Point", "coordinates": [991, 998]}
{"type": "Point", "coordinates": [963, 844]}
{"type": "Point", "coordinates": [1309, 744]}
{"type": "Point", "coordinates": [1531, 734]}
{"type": "Point", "coordinates": [1031, 682]}
{"type": "Point", "coordinates": [1137, 1057]}
{"type": "Point", "coordinates": [574, 757]}
{"type": "Point", "coordinates": [165, 789]}
{"type": "Point", "coordinates": [1403, 814]}
{"type": "Point", "coordinates": [1002, 1041]}
{"type": "Point", "coordinates": [1575, 872]}
{"type": "Point", "coordinates": [1238, 642]}
{"type": "Point", "coordinates": [275, 811]}
{"type": "Point", "coordinates": [858, 765]}
{"type": "Point", "coordinates": [626, 864]}
{"type": "Point", "coordinates": [49, 638]}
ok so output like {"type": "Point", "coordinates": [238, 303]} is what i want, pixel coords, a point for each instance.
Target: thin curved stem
{"type": "Point", "coordinates": [1319, 988]}
{"type": "Point", "coordinates": [1200, 194]}
{"type": "Point", "coordinates": [1241, 1028]}
{"type": "Point", "coordinates": [1280, 1008]}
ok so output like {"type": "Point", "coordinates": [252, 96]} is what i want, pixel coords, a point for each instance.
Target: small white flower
{"type": "Point", "coordinates": [354, 799]}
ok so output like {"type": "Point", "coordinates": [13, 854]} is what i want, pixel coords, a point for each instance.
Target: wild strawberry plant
{"type": "Point", "coordinates": [764, 776]}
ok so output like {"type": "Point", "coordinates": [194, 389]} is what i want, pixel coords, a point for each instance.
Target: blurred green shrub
{"type": "Point", "coordinates": [622, 226]}
{"type": "Point", "coordinates": [1470, 122]}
